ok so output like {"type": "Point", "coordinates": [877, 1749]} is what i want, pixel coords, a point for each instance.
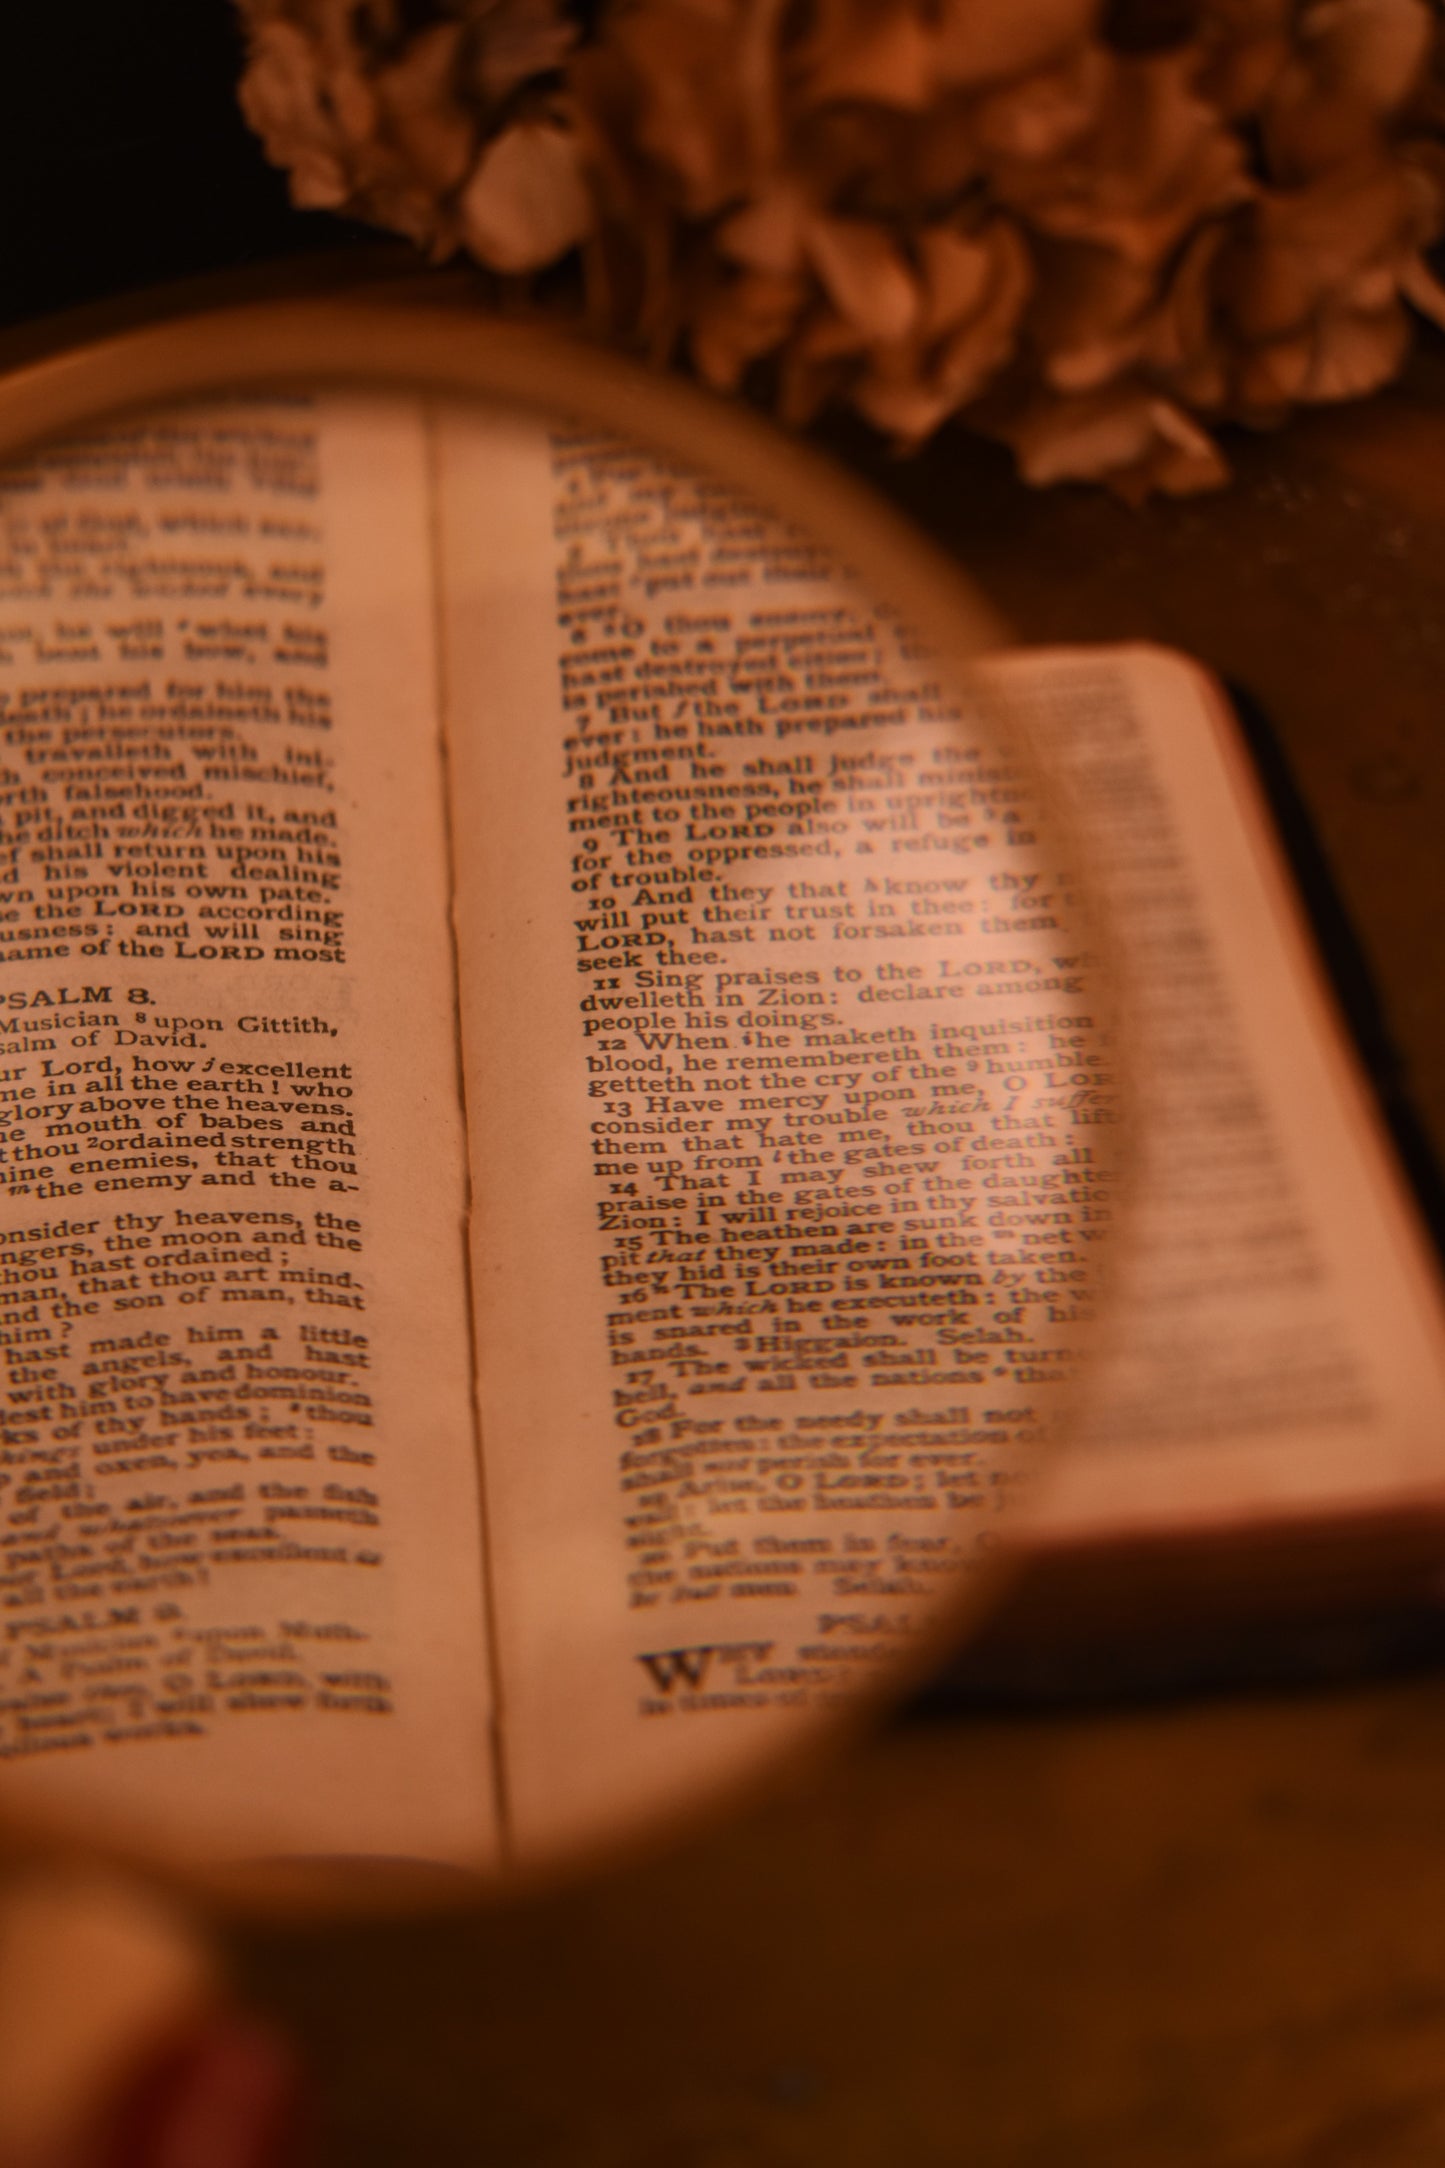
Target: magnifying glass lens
{"type": "Point", "coordinates": [555, 1112]}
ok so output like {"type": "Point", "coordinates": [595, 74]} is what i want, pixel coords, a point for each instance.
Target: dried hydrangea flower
{"type": "Point", "coordinates": [390, 118]}
{"type": "Point", "coordinates": [1093, 228]}
{"type": "Point", "coordinates": [381, 135]}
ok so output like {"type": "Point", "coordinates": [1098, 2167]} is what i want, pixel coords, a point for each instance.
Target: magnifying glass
{"type": "Point", "coordinates": [556, 1100]}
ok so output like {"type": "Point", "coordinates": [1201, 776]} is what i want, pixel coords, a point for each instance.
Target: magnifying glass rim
{"type": "Point", "coordinates": [345, 342]}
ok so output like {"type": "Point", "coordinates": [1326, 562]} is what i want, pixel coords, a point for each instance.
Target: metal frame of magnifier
{"type": "Point", "coordinates": [407, 345]}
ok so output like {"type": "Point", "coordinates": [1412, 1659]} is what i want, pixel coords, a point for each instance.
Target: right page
{"type": "Point", "coordinates": [789, 1117]}
{"type": "Point", "coordinates": [1282, 1352]}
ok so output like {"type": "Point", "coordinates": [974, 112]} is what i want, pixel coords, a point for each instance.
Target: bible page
{"type": "Point", "coordinates": [241, 1597]}
{"type": "Point", "coordinates": [780, 1255]}
{"type": "Point", "coordinates": [1283, 1352]}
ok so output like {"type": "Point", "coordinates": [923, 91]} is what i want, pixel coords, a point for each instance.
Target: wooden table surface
{"type": "Point", "coordinates": [1208, 1937]}
{"type": "Point", "coordinates": [1201, 1932]}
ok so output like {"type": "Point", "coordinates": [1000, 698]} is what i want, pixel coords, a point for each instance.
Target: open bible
{"type": "Point", "coordinates": [555, 1126]}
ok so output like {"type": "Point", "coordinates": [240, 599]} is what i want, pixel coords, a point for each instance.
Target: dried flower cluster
{"type": "Point", "coordinates": [1093, 226]}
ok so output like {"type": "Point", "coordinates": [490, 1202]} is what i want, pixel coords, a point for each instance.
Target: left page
{"type": "Point", "coordinates": [239, 1534]}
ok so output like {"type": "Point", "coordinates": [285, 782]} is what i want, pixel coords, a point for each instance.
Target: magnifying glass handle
{"type": "Point", "coordinates": [118, 2048]}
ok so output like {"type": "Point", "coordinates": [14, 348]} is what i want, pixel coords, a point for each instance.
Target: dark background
{"type": "Point", "coordinates": [123, 159]}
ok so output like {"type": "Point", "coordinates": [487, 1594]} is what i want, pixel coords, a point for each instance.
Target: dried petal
{"type": "Point", "coordinates": [1045, 114]}
{"type": "Point", "coordinates": [353, 101]}
{"type": "Point", "coordinates": [1236, 79]}
{"type": "Point", "coordinates": [1299, 247]}
{"type": "Point", "coordinates": [828, 337]}
{"type": "Point", "coordinates": [1375, 49]}
{"type": "Point", "coordinates": [955, 270]}
{"type": "Point", "coordinates": [1182, 346]}
{"type": "Point", "coordinates": [1356, 352]}
{"type": "Point", "coordinates": [806, 387]}
{"type": "Point", "coordinates": [1124, 435]}
{"type": "Point", "coordinates": [979, 348]}
{"type": "Point", "coordinates": [1242, 46]}
{"type": "Point", "coordinates": [1355, 62]}
{"type": "Point", "coordinates": [743, 319]}
{"type": "Point", "coordinates": [990, 44]}
{"type": "Point", "coordinates": [1174, 470]}
{"type": "Point", "coordinates": [420, 112]}
{"type": "Point", "coordinates": [1270, 378]}
{"type": "Point", "coordinates": [938, 154]}
{"type": "Point", "coordinates": [912, 385]}
{"type": "Point", "coordinates": [907, 408]}
{"type": "Point", "coordinates": [512, 41]}
{"type": "Point", "coordinates": [768, 232]}
{"type": "Point", "coordinates": [1157, 162]}
{"type": "Point", "coordinates": [282, 100]}
{"type": "Point", "coordinates": [887, 58]}
{"type": "Point", "coordinates": [527, 202]}
{"type": "Point", "coordinates": [864, 274]}
{"type": "Point", "coordinates": [1090, 314]}
{"type": "Point", "coordinates": [1307, 132]}
{"type": "Point", "coordinates": [689, 117]}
